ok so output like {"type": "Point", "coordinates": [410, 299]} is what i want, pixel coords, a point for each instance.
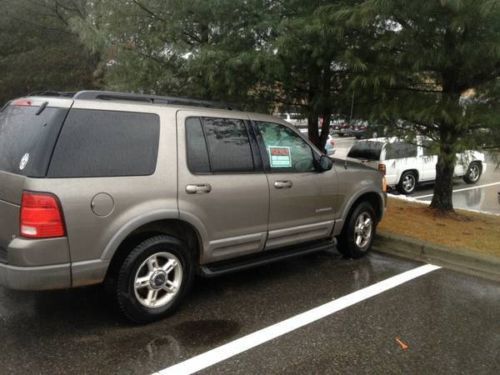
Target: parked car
{"type": "Point", "coordinates": [341, 128]}
{"type": "Point", "coordinates": [296, 119]}
{"type": "Point", "coordinates": [405, 165]}
{"type": "Point", "coordinates": [143, 192]}
{"type": "Point", "coordinates": [330, 145]}
{"type": "Point", "coordinates": [368, 130]}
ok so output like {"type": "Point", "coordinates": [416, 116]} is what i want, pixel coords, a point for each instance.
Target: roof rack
{"type": "Point", "coordinates": [53, 93]}
{"type": "Point", "coordinates": [153, 99]}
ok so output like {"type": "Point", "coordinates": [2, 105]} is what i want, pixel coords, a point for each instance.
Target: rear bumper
{"type": "Point", "coordinates": [35, 278]}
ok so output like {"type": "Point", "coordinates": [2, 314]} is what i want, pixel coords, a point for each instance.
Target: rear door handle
{"type": "Point", "coordinates": [198, 189]}
{"type": "Point", "coordinates": [283, 184]}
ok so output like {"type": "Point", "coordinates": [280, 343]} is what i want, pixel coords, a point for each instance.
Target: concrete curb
{"type": "Point", "coordinates": [457, 259]}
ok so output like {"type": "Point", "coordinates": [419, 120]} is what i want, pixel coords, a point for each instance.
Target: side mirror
{"type": "Point", "coordinates": [325, 163]}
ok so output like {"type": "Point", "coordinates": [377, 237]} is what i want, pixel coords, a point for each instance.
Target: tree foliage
{"type": "Point", "coordinates": [38, 51]}
{"type": "Point", "coordinates": [432, 68]}
{"type": "Point", "coordinates": [421, 67]}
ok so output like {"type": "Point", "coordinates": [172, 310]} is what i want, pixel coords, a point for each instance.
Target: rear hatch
{"type": "Point", "coordinates": [28, 132]}
{"type": "Point", "coordinates": [367, 152]}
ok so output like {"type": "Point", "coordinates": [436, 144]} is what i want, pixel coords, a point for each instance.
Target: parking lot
{"type": "Point", "coordinates": [441, 321]}
{"type": "Point", "coordinates": [483, 196]}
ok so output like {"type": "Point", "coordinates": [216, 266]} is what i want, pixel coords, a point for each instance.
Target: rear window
{"type": "Point", "coordinates": [27, 139]}
{"type": "Point", "coordinates": [106, 144]}
{"type": "Point", "coordinates": [366, 150]}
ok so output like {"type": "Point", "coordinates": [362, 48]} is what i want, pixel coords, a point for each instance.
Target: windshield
{"type": "Point", "coordinates": [366, 150]}
{"type": "Point", "coordinates": [27, 138]}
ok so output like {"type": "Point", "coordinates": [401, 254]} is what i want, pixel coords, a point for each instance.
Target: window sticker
{"type": "Point", "coordinates": [281, 157]}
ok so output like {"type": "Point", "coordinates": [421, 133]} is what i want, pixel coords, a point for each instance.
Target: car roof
{"type": "Point", "coordinates": [65, 100]}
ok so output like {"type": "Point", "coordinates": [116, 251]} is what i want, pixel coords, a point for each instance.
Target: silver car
{"type": "Point", "coordinates": [145, 192]}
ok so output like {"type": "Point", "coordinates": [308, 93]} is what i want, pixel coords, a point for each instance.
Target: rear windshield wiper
{"type": "Point", "coordinates": [42, 108]}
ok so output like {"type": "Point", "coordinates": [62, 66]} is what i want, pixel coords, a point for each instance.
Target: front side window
{"type": "Point", "coordinates": [287, 151]}
{"type": "Point", "coordinates": [218, 145]}
{"type": "Point", "coordinates": [429, 148]}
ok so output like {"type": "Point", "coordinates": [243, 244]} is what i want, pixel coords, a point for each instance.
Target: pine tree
{"type": "Point", "coordinates": [432, 67]}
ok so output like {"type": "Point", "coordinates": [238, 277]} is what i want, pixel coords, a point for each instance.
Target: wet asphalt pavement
{"type": "Point", "coordinates": [449, 321]}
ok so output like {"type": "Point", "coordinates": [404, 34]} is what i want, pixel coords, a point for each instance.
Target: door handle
{"type": "Point", "coordinates": [283, 184]}
{"type": "Point", "coordinates": [198, 189]}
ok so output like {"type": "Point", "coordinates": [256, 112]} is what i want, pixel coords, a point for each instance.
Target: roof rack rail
{"type": "Point", "coordinates": [53, 93]}
{"type": "Point", "coordinates": [153, 99]}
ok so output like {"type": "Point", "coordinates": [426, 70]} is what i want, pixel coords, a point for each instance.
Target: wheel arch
{"type": "Point", "coordinates": [414, 170]}
{"type": "Point", "coordinates": [179, 229]}
{"type": "Point", "coordinates": [376, 199]}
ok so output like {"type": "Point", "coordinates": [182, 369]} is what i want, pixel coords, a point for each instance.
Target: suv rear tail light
{"type": "Point", "coordinates": [41, 216]}
{"type": "Point", "coordinates": [382, 168]}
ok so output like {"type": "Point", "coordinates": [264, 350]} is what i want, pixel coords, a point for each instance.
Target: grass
{"type": "Point", "coordinates": [464, 230]}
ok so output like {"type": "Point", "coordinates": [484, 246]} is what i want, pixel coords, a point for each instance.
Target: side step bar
{"type": "Point", "coordinates": [264, 257]}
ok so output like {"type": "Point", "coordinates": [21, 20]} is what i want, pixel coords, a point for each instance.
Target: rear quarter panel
{"type": "Point", "coordinates": [133, 196]}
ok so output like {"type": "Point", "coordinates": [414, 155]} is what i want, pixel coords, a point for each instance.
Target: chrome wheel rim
{"type": "Point", "coordinates": [408, 183]}
{"type": "Point", "coordinates": [158, 280]}
{"type": "Point", "coordinates": [363, 229]}
{"type": "Point", "coordinates": [474, 172]}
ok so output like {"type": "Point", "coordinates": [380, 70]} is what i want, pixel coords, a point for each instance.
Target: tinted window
{"type": "Point", "coordinates": [106, 144]}
{"type": "Point", "coordinates": [287, 151]}
{"type": "Point", "coordinates": [228, 145]}
{"type": "Point", "coordinates": [399, 150]}
{"type": "Point", "coordinates": [429, 148]}
{"type": "Point", "coordinates": [197, 154]}
{"type": "Point", "coordinates": [366, 150]}
{"type": "Point", "coordinates": [26, 136]}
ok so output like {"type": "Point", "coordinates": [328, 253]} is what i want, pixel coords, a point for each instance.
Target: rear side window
{"type": "Point", "coordinates": [400, 150]}
{"type": "Point", "coordinates": [218, 145]}
{"type": "Point", "coordinates": [366, 150]}
{"type": "Point", "coordinates": [27, 138]}
{"type": "Point", "coordinates": [106, 144]}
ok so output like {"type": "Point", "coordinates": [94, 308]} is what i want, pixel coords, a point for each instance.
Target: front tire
{"type": "Point", "coordinates": [153, 279]}
{"type": "Point", "coordinates": [357, 235]}
{"type": "Point", "coordinates": [407, 183]}
{"type": "Point", "coordinates": [473, 173]}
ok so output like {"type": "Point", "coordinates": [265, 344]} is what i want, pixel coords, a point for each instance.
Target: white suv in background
{"type": "Point", "coordinates": [405, 165]}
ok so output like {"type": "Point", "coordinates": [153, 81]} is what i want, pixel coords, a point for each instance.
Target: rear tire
{"type": "Point", "coordinates": [356, 238]}
{"type": "Point", "coordinates": [153, 279]}
{"type": "Point", "coordinates": [473, 173]}
{"type": "Point", "coordinates": [407, 183]}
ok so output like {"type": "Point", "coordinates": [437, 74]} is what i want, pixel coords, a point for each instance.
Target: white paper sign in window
{"type": "Point", "coordinates": [280, 157]}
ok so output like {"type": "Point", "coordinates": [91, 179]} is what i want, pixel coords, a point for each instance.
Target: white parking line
{"type": "Point", "coordinates": [252, 340]}
{"type": "Point", "coordinates": [464, 189]}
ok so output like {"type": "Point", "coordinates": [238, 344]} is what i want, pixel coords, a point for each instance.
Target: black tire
{"type": "Point", "coordinates": [347, 241]}
{"type": "Point", "coordinates": [473, 173]}
{"type": "Point", "coordinates": [408, 182]}
{"type": "Point", "coordinates": [124, 288]}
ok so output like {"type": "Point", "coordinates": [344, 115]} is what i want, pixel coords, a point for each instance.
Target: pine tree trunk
{"type": "Point", "coordinates": [445, 167]}
{"type": "Point", "coordinates": [443, 189]}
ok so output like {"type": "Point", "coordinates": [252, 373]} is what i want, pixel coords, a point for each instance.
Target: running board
{"type": "Point", "coordinates": [264, 257]}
